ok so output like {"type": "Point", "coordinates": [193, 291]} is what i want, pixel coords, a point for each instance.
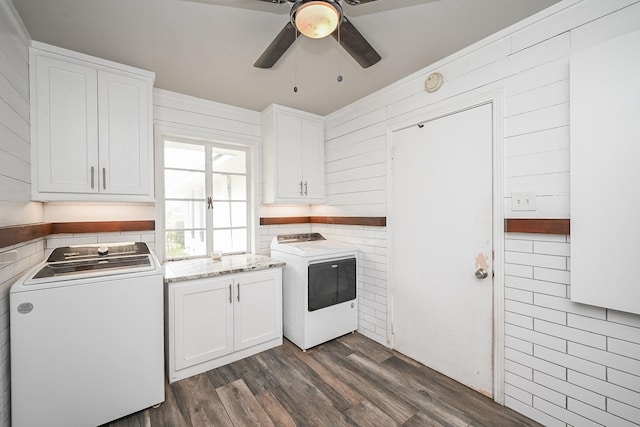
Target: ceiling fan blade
{"type": "Point", "coordinates": [284, 1]}
{"type": "Point", "coordinates": [352, 2]}
{"type": "Point", "coordinates": [277, 48]}
{"type": "Point", "coordinates": [356, 45]}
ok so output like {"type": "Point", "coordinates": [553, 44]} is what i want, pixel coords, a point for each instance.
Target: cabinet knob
{"type": "Point", "coordinates": [104, 178]}
{"type": "Point", "coordinates": [301, 193]}
{"type": "Point", "coordinates": [305, 188]}
{"type": "Point", "coordinates": [92, 178]}
{"type": "Point", "coordinates": [230, 296]}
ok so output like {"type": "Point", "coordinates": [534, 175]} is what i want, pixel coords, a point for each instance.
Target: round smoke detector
{"type": "Point", "coordinates": [433, 82]}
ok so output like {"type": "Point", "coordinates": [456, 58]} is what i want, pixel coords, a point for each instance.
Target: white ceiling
{"type": "Point", "coordinates": [206, 48]}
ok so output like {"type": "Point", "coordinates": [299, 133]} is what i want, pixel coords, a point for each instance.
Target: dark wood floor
{"type": "Point", "coordinates": [351, 381]}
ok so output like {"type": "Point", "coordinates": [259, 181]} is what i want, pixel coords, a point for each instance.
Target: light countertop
{"type": "Point", "coordinates": [201, 268]}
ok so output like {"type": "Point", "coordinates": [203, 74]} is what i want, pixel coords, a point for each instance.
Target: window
{"type": "Point", "coordinates": [206, 193]}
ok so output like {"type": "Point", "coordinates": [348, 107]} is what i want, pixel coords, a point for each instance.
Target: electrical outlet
{"type": "Point", "coordinates": [523, 201]}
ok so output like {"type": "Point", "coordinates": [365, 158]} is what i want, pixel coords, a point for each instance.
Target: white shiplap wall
{"type": "Point", "coordinates": [566, 364]}
{"type": "Point", "coordinates": [15, 172]}
{"type": "Point", "coordinates": [15, 149]}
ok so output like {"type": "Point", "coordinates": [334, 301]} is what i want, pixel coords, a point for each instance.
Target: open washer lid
{"type": "Point", "coordinates": [309, 244]}
{"type": "Point", "coordinates": [88, 261]}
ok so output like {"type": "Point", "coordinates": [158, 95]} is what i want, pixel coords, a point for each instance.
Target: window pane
{"type": "Point", "coordinates": [232, 161]}
{"type": "Point", "coordinates": [221, 214]}
{"type": "Point", "coordinates": [185, 243]}
{"type": "Point", "coordinates": [185, 214]}
{"type": "Point", "coordinates": [239, 237]}
{"type": "Point", "coordinates": [232, 214]}
{"type": "Point", "coordinates": [238, 214]}
{"type": "Point", "coordinates": [183, 184]}
{"type": "Point", "coordinates": [183, 156]}
{"type": "Point", "coordinates": [229, 187]}
{"type": "Point", "coordinates": [227, 241]}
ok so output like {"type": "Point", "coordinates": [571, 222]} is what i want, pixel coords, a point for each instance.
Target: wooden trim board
{"type": "Point", "coordinates": [13, 235]}
{"type": "Point", "coordinates": [102, 226]}
{"type": "Point", "coordinates": [341, 220]}
{"type": "Point", "coordinates": [539, 226]}
{"type": "Point", "coordinates": [16, 234]}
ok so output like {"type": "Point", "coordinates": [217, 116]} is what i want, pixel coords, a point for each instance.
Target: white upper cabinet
{"type": "Point", "coordinates": [293, 156]}
{"type": "Point", "coordinates": [605, 178]}
{"type": "Point", "coordinates": [91, 127]}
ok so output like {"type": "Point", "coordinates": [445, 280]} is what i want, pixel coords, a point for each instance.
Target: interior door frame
{"type": "Point", "coordinates": [433, 112]}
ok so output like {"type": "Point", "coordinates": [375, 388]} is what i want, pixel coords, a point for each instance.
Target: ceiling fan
{"type": "Point", "coordinates": [317, 19]}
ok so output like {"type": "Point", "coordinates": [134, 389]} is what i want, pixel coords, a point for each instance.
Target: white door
{"type": "Point", "coordinates": [442, 233]}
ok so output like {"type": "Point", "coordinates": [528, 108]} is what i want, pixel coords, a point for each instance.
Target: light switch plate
{"type": "Point", "coordinates": [525, 201]}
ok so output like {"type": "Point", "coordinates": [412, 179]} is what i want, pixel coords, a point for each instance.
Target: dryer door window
{"type": "Point", "coordinates": [331, 283]}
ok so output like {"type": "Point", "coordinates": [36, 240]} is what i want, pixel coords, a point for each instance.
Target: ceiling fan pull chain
{"type": "Point", "coordinates": [295, 64]}
{"type": "Point", "coordinates": [339, 78]}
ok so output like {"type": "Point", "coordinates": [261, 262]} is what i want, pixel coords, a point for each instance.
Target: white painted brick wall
{"type": "Point", "coordinates": [585, 372]}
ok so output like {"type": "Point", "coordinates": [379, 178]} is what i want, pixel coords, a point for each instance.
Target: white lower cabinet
{"type": "Point", "coordinates": [215, 321]}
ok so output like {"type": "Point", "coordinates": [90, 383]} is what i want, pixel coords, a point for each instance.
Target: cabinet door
{"type": "Point", "coordinates": [289, 146]}
{"type": "Point", "coordinates": [313, 159]}
{"type": "Point", "coordinates": [66, 136]}
{"type": "Point", "coordinates": [203, 321]}
{"type": "Point", "coordinates": [258, 308]}
{"type": "Point", "coordinates": [125, 134]}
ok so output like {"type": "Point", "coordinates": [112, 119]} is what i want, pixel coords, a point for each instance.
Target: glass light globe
{"type": "Point", "coordinates": [317, 19]}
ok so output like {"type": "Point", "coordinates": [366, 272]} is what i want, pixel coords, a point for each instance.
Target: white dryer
{"type": "Point", "coordinates": [320, 288]}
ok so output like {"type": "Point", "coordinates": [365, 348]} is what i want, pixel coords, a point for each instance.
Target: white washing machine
{"type": "Point", "coordinates": [87, 336]}
{"type": "Point", "coordinates": [320, 288]}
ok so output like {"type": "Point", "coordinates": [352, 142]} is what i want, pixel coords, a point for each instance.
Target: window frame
{"type": "Point", "coordinates": [249, 145]}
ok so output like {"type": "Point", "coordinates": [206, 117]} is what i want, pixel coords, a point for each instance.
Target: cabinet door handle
{"type": "Point", "coordinates": [104, 178]}
{"type": "Point", "coordinates": [301, 188]}
{"type": "Point", "coordinates": [238, 292]}
{"type": "Point", "coordinates": [93, 179]}
{"type": "Point", "coordinates": [305, 188]}
{"type": "Point", "coordinates": [230, 297]}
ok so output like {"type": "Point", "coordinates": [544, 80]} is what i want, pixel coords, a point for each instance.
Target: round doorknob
{"type": "Point", "coordinates": [481, 273]}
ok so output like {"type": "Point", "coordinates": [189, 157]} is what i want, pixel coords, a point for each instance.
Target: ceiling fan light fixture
{"type": "Point", "coordinates": [317, 19]}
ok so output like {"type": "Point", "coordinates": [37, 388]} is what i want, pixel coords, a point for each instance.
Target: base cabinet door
{"type": "Point", "coordinates": [215, 321]}
{"type": "Point", "coordinates": [203, 321]}
{"type": "Point", "coordinates": [258, 310]}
